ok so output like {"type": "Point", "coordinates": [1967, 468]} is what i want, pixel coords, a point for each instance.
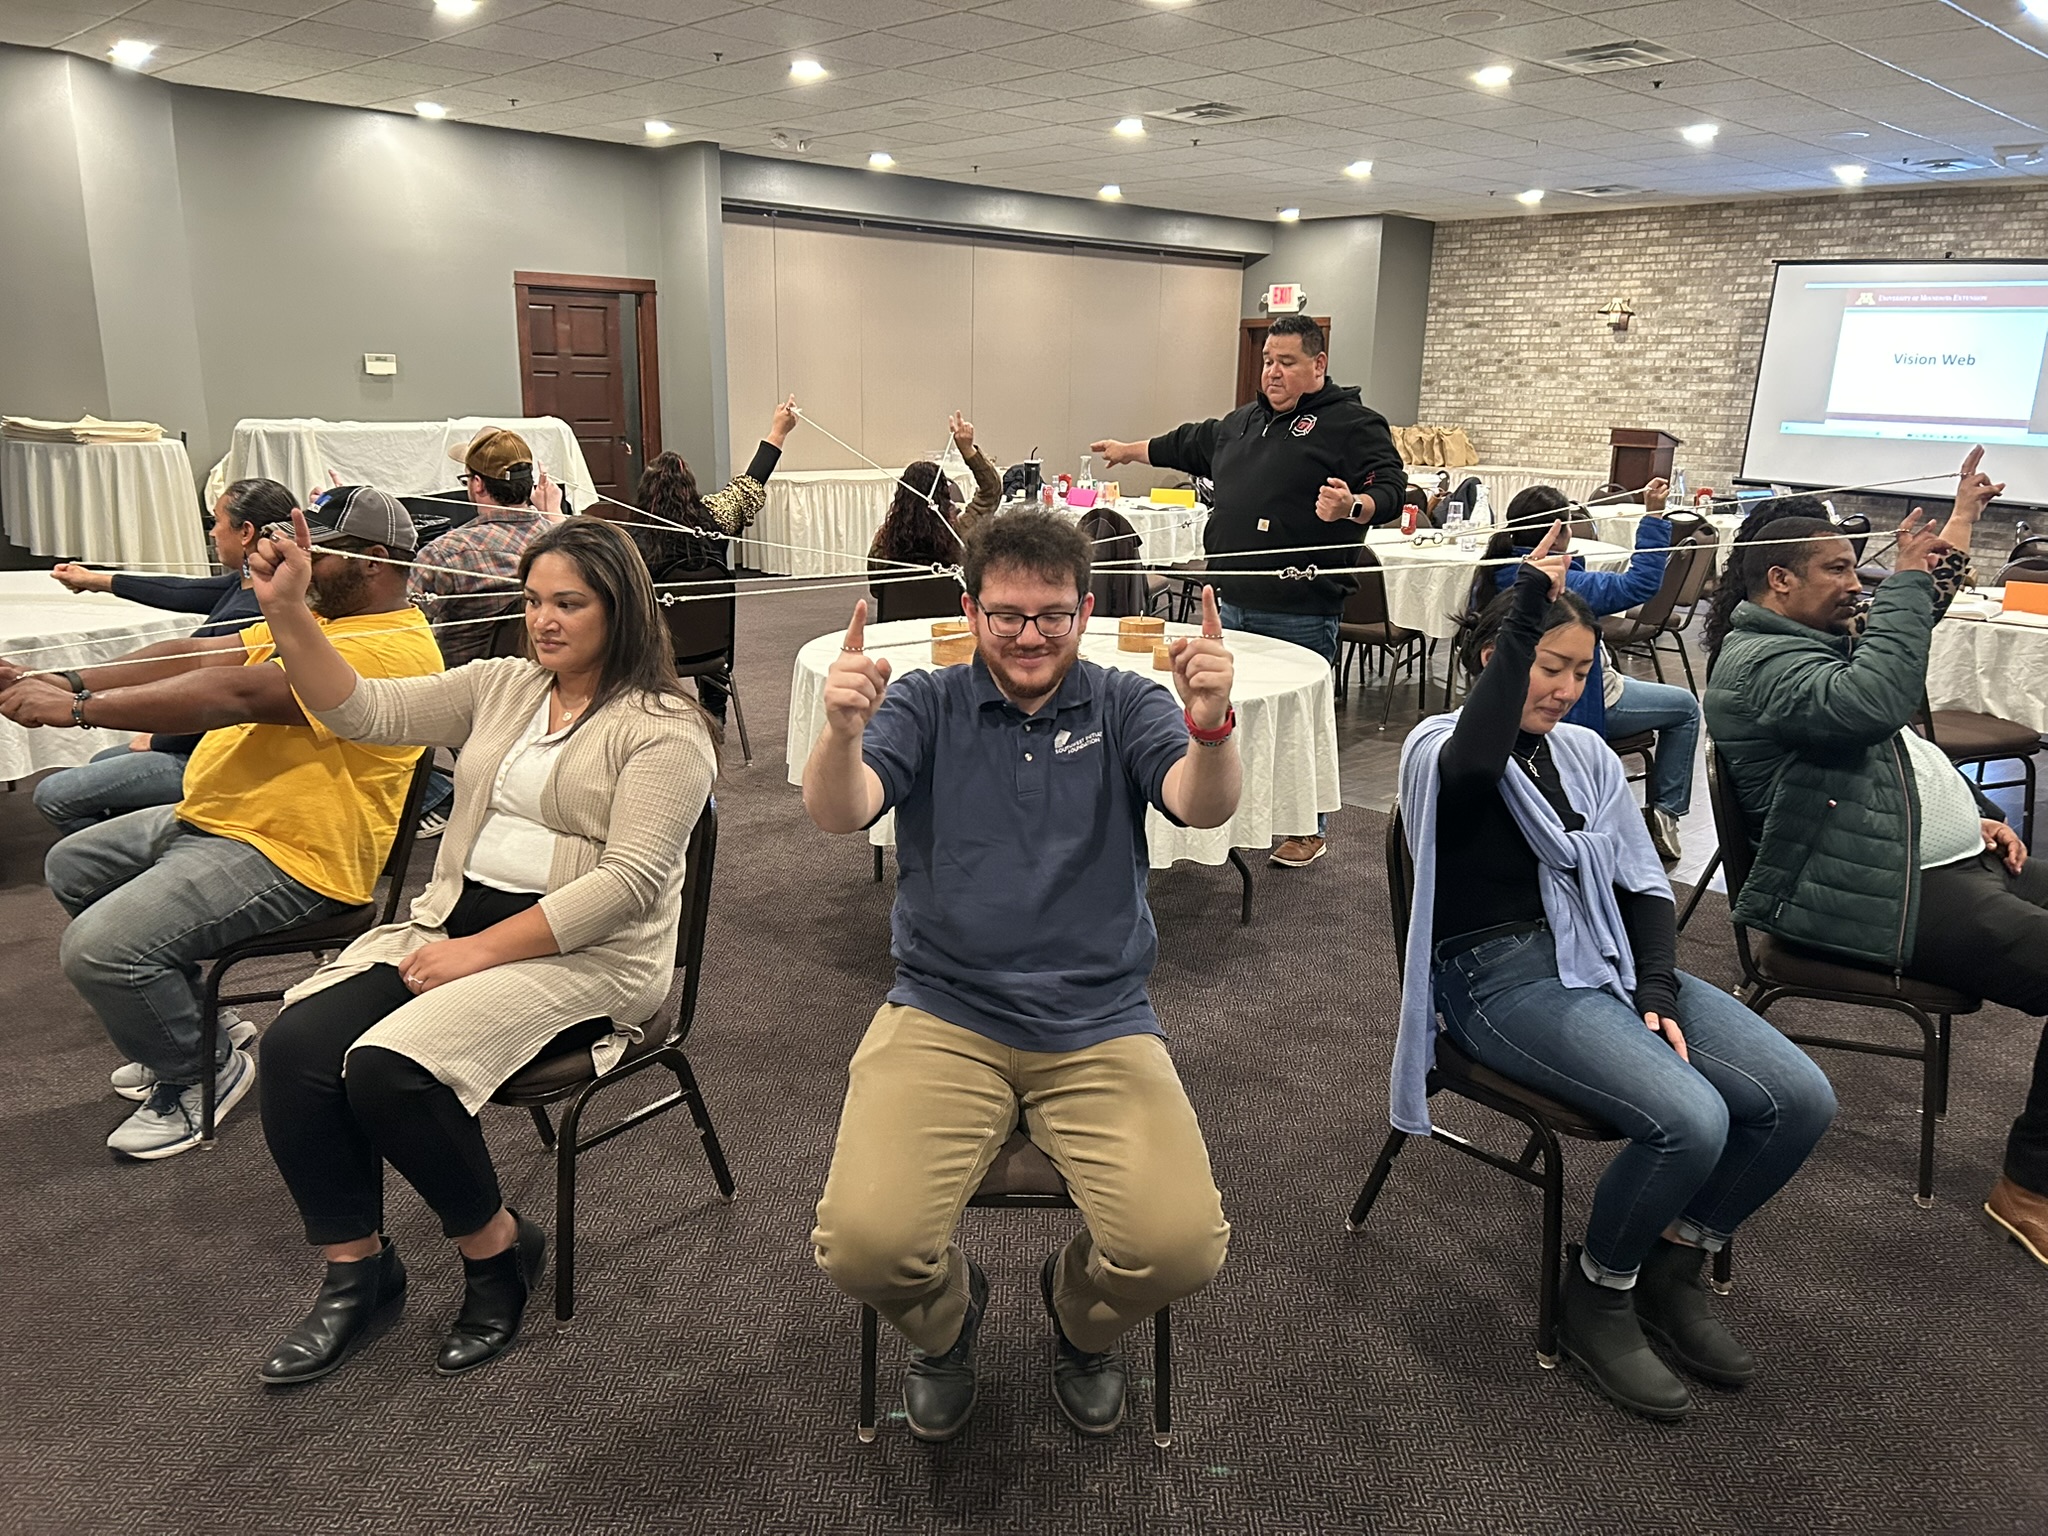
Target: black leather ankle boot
{"type": "Point", "coordinates": [494, 1295]}
{"type": "Point", "coordinates": [350, 1299]}
{"type": "Point", "coordinates": [1597, 1327]}
{"type": "Point", "coordinates": [1087, 1384]}
{"type": "Point", "coordinates": [939, 1390]}
{"type": "Point", "coordinates": [1672, 1302]}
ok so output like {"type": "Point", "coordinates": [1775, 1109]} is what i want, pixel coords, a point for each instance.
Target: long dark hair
{"type": "Point", "coordinates": [668, 491]}
{"type": "Point", "coordinates": [1476, 631]}
{"type": "Point", "coordinates": [1523, 525]}
{"type": "Point", "coordinates": [637, 657]}
{"type": "Point", "coordinates": [916, 530]}
{"type": "Point", "coordinates": [1748, 567]}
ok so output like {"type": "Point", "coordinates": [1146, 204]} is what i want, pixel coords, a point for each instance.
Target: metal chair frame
{"type": "Point", "coordinates": [567, 1141]}
{"type": "Point", "coordinates": [1541, 1163]}
{"type": "Point", "coordinates": [1049, 1200]}
{"type": "Point", "coordinates": [313, 938]}
{"type": "Point", "coordinates": [1759, 991]}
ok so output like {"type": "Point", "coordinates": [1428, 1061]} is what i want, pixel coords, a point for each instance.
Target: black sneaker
{"type": "Point", "coordinates": [938, 1390]}
{"type": "Point", "coordinates": [1089, 1387]}
{"type": "Point", "coordinates": [1673, 1306]}
{"type": "Point", "coordinates": [1597, 1327]}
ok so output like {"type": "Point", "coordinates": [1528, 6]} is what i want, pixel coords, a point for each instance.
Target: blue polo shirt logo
{"type": "Point", "coordinates": [1065, 744]}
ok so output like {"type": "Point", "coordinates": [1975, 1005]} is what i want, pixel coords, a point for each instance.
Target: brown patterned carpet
{"type": "Point", "coordinates": [1326, 1383]}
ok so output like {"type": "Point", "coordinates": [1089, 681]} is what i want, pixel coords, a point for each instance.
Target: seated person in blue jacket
{"type": "Point", "coordinates": [1614, 704]}
{"type": "Point", "coordinates": [1543, 934]}
{"type": "Point", "coordinates": [150, 769]}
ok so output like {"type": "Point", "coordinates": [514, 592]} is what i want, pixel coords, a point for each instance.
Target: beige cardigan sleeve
{"type": "Point", "coordinates": [437, 710]}
{"type": "Point", "coordinates": [988, 489]}
{"type": "Point", "coordinates": [656, 799]}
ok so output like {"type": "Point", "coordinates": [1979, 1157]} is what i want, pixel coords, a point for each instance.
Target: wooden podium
{"type": "Point", "coordinates": [1638, 455]}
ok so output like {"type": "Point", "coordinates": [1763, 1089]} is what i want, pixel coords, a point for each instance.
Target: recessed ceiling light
{"type": "Point", "coordinates": [806, 69]}
{"type": "Point", "coordinates": [1494, 74]}
{"type": "Point", "coordinates": [881, 160]}
{"type": "Point", "coordinates": [1850, 175]}
{"type": "Point", "coordinates": [656, 129]}
{"type": "Point", "coordinates": [1360, 169]}
{"type": "Point", "coordinates": [131, 54]}
{"type": "Point", "coordinates": [1131, 127]}
{"type": "Point", "coordinates": [1110, 193]}
{"type": "Point", "coordinates": [456, 7]}
{"type": "Point", "coordinates": [1700, 133]}
{"type": "Point", "coordinates": [1531, 197]}
{"type": "Point", "coordinates": [2035, 8]}
{"type": "Point", "coordinates": [1288, 215]}
{"type": "Point", "coordinates": [432, 109]}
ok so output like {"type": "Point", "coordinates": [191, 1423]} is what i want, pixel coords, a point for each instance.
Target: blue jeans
{"type": "Point", "coordinates": [1312, 631]}
{"type": "Point", "coordinates": [114, 783]}
{"type": "Point", "coordinates": [1709, 1142]}
{"type": "Point", "coordinates": [1674, 714]}
{"type": "Point", "coordinates": [150, 898]}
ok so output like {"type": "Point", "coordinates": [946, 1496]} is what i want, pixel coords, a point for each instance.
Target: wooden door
{"type": "Point", "coordinates": [1251, 338]}
{"type": "Point", "coordinates": [575, 370]}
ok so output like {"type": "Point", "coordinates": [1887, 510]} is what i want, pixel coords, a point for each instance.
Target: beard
{"type": "Point", "coordinates": [339, 593]}
{"type": "Point", "coordinates": [1015, 688]}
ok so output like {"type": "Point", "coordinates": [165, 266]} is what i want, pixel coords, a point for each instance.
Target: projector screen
{"type": "Point", "coordinates": [1877, 370]}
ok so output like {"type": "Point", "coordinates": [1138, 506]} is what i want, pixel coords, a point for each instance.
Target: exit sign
{"type": "Point", "coordinates": [1284, 298]}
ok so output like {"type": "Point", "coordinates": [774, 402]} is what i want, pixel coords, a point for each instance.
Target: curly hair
{"type": "Point", "coordinates": [1042, 543]}
{"type": "Point", "coordinates": [918, 531]}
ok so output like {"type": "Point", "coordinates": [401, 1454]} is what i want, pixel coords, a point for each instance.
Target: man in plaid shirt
{"type": "Point", "coordinates": [498, 472]}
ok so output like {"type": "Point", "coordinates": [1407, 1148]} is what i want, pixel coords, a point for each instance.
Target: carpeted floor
{"type": "Point", "coordinates": [1326, 1383]}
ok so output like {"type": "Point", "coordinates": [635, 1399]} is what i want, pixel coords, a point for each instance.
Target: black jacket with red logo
{"type": "Point", "coordinates": [1268, 466]}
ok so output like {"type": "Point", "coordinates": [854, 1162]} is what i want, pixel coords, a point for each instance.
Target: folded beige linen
{"type": "Point", "coordinates": [87, 429]}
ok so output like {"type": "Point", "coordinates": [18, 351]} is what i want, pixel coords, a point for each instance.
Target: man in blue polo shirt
{"type": "Point", "coordinates": [1023, 942]}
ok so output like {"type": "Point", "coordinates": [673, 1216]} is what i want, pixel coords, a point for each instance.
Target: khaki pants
{"type": "Point", "coordinates": [928, 1106]}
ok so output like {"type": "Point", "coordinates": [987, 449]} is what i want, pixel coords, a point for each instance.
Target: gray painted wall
{"type": "Point", "coordinates": [1370, 278]}
{"type": "Point", "coordinates": [691, 310]}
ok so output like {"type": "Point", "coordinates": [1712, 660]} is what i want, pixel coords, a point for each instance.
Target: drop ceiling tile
{"type": "Point", "coordinates": [293, 56]}
{"type": "Point", "coordinates": [672, 13]}
{"type": "Point", "coordinates": [1159, 32]}
{"type": "Point", "coordinates": [866, 15]}
{"type": "Point", "coordinates": [318, 34]}
{"type": "Point", "coordinates": [220, 72]}
{"type": "Point", "coordinates": [966, 32]}
{"type": "Point", "coordinates": [1054, 51]}
{"type": "Point", "coordinates": [1262, 18]}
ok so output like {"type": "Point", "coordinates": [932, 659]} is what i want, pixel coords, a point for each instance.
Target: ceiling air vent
{"type": "Point", "coordinates": [2017, 156]}
{"type": "Point", "coordinates": [1202, 112]}
{"type": "Point", "coordinates": [1604, 58]}
{"type": "Point", "coordinates": [1944, 166]}
{"type": "Point", "coordinates": [1607, 189]}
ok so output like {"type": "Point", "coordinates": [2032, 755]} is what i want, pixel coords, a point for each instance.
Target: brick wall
{"type": "Point", "coordinates": [1515, 352]}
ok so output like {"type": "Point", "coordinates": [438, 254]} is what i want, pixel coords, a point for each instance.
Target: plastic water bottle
{"type": "Point", "coordinates": [1087, 480]}
{"type": "Point", "coordinates": [1482, 509]}
{"type": "Point", "coordinates": [1454, 519]}
{"type": "Point", "coordinates": [1677, 496]}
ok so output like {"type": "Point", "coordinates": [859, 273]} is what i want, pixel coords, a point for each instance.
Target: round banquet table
{"type": "Point", "coordinates": [1166, 535]}
{"type": "Point", "coordinates": [1992, 663]}
{"type": "Point", "coordinates": [1286, 731]}
{"type": "Point", "coordinates": [45, 628]}
{"type": "Point", "coordinates": [406, 458]}
{"type": "Point", "coordinates": [1428, 584]}
{"type": "Point", "coordinates": [107, 503]}
{"type": "Point", "coordinates": [1504, 481]}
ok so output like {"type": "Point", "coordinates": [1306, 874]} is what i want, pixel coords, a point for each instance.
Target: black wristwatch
{"type": "Point", "coordinates": [78, 706]}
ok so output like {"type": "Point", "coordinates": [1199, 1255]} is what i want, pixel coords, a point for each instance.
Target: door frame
{"type": "Point", "coordinates": [1245, 352]}
{"type": "Point", "coordinates": [649, 359]}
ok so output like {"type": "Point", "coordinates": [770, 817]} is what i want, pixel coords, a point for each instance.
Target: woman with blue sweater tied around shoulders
{"type": "Point", "coordinates": [1543, 934]}
{"type": "Point", "coordinates": [1615, 705]}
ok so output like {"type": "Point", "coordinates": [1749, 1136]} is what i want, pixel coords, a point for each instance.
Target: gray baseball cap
{"type": "Point", "coordinates": [362, 512]}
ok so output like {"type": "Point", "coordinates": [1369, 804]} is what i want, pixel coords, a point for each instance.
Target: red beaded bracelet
{"type": "Point", "coordinates": [1211, 738]}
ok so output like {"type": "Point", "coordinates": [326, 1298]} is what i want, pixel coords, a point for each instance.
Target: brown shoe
{"type": "Point", "coordinates": [2022, 1213]}
{"type": "Point", "coordinates": [1298, 852]}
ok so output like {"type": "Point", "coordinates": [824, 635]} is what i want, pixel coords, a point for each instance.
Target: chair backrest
{"type": "Point", "coordinates": [1367, 603]}
{"type": "Point", "coordinates": [449, 509]}
{"type": "Point", "coordinates": [933, 597]}
{"type": "Point", "coordinates": [399, 859]}
{"type": "Point", "coordinates": [1856, 529]}
{"type": "Point", "coordinates": [2032, 569]}
{"type": "Point", "coordinates": [2033, 547]}
{"type": "Point", "coordinates": [1678, 568]}
{"type": "Point", "coordinates": [1122, 592]}
{"type": "Point", "coordinates": [1400, 886]}
{"type": "Point", "coordinates": [700, 856]}
{"type": "Point", "coordinates": [508, 635]}
{"type": "Point", "coordinates": [1731, 826]}
{"type": "Point", "coordinates": [702, 626]}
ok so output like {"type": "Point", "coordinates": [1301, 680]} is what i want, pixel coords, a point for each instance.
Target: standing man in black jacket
{"type": "Point", "coordinates": [1300, 473]}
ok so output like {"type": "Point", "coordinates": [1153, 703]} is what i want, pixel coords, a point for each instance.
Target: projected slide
{"type": "Point", "coordinates": [1882, 371]}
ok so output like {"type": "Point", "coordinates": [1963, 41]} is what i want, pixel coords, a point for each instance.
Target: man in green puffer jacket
{"type": "Point", "coordinates": [1870, 845]}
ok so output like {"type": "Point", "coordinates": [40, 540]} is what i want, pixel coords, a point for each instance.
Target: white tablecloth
{"type": "Point", "coordinates": [819, 522]}
{"type": "Point", "coordinates": [107, 503]}
{"type": "Point", "coordinates": [1618, 526]}
{"type": "Point", "coordinates": [1993, 666]}
{"type": "Point", "coordinates": [45, 628]}
{"type": "Point", "coordinates": [406, 458]}
{"type": "Point", "coordinates": [1428, 585]}
{"type": "Point", "coordinates": [1503, 481]}
{"type": "Point", "coordinates": [1286, 732]}
{"type": "Point", "coordinates": [1167, 535]}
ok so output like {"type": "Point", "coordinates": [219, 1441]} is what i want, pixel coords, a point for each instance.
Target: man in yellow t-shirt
{"type": "Point", "coordinates": [281, 821]}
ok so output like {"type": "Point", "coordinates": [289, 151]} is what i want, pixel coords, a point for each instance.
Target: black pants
{"type": "Point", "coordinates": [1984, 930]}
{"type": "Point", "coordinates": [331, 1135]}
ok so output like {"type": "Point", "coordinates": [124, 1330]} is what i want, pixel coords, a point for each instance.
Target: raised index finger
{"type": "Point", "coordinates": [301, 534]}
{"type": "Point", "coordinates": [1548, 542]}
{"type": "Point", "coordinates": [856, 632]}
{"type": "Point", "coordinates": [1971, 460]}
{"type": "Point", "coordinates": [1212, 620]}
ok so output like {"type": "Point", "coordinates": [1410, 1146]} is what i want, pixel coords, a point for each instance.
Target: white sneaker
{"type": "Point", "coordinates": [169, 1122]}
{"type": "Point", "coordinates": [1664, 834]}
{"type": "Point", "coordinates": [132, 1080]}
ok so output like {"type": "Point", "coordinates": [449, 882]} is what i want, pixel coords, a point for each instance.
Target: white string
{"type": "Point", "coordinates": [929, 498]}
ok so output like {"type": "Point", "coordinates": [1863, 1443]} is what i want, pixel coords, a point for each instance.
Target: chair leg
{"type": "Point", "coordinates": [1551, 1275]}
{"type": "Point", "coordinates": [1376, 1180]}
{"type": "Point", "coordinates": [1387, 704]}
{"type": "Point", "coordinates": [1723, 1280]}
{"type": "Point", "coordinates": [565, 1208]}
{"type": "Point", "coordinates": [543, 1125]}
{"type": "Point", "coordinates": [209, 1043]}
{"type": "Point", "coordinates": [1244, 873]}
{"type": "Point", "coordinates": [1931, 1072]}
{"type": "Point", "coordinates": [878, 866]}
{"type": "Point", "coordinates": [1685, 659]}
{"type": "Point", "coordinates": [1162, 1377]}
{"type": "Point", "coordinates": [1699, 889]}
{"type": "Point", "coordinates": [686, 1080]}
{"type": "Point", "coordinates": [1944, 1037]}
{"type": "Point", "coordinates": [739, 716]}
{"type": "Point", "coordinates": [864, 1426]}
{"type": "Point", "coordinates": [1656, 661]}
{"type": "Point", "coordinates": [2027, 804]}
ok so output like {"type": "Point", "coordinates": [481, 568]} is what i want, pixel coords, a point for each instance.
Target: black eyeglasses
{"type": "Point", "coordinates": [1008, 626]}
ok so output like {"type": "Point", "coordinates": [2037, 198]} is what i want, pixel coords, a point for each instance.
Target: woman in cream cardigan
{"type": "Point", "coordinates": [554, 900]}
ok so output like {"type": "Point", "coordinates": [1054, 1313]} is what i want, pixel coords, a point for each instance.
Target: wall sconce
{"type": "Point", "coordinates": [1617, 314]}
